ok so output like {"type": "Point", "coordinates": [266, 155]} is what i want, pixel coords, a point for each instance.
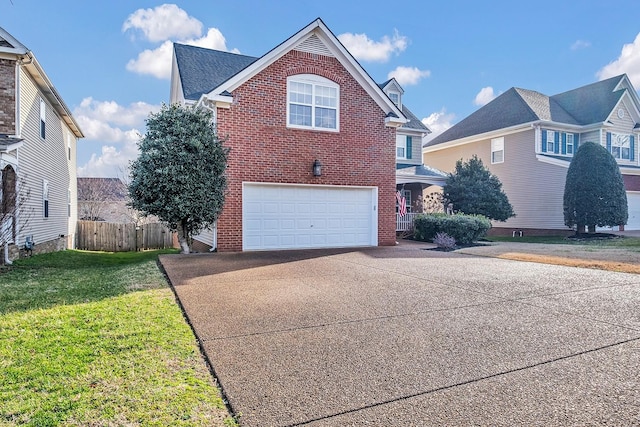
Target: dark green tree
{"type": "Point", "coordinates": [179, 175]}
{"type": "Point", "coordinates": [472, 189]}
{"type": "Point", "coordinates": [594, 193]}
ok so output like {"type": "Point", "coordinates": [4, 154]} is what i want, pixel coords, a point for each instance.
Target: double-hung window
{"type": "Point", "coordinates": [620, 146]}
{"type": "Point", "coordinates": [404, 147]}
{"type": "Point", "coordinates": [313, 102]}
{"type": "Point", "coordinates": [497, 150]}
{"type": "Point", "coordinates": [570, 143]}
{"type": "Point", "coordinates": [551, 141]}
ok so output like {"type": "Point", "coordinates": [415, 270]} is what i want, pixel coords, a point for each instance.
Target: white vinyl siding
{"type": "Point", "coordinates": [526, 180]}
{"type": "Point", "coordinates": [50, 162]}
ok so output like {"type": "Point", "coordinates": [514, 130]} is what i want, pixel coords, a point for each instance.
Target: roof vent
{"type": "Point", "coordinates": [313, 44]}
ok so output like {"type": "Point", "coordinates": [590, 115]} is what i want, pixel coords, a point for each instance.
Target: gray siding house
{"type": "Point", "coordinates": [38, 137]}
{"type": "Point", "coordinates": [528, 139]}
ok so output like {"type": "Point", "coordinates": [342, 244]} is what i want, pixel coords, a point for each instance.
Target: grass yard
{"type": "Point", "coordinates": [632, 243]}
{"type": "Point", "coordinates": [97, 339]}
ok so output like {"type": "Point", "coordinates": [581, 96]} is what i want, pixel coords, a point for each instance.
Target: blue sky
{"type": "Point", "coordinates": [110, 61]}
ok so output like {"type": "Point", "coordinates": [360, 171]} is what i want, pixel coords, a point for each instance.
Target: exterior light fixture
{"type": "Point", "coordinates": [317, 168]}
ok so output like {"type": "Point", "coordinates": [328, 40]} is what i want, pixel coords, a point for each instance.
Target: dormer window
{"type": "Point", "coordinates": [395, 97]}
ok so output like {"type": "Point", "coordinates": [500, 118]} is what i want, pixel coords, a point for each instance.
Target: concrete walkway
{"type": "Point", "coordinates": [405, 336]}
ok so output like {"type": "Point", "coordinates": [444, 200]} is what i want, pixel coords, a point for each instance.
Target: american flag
{"type": "Point", "coordinates": [402, 204]}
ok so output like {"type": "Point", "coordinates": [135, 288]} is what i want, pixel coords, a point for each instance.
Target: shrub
{"type": "Point", "coordinates": [465, 229]}
{"type": "Point", "coordinates": [444, 241]}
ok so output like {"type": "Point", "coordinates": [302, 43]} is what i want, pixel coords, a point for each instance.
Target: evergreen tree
{"type": "Point", "coordinates": [594, 193]}
{"type": "Point", "coordinates": [473, 189]}
{"type": "Point", "coordinates": [179, 175]}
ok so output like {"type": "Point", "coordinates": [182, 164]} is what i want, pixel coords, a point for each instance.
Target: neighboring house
{"type": "Point", "coordinates": [38, 137]}
{"type": "Point", "coordinates": [528, 140]}
{"type": "Point", "coordinates": [104, 199]}
{"type": "Point", "coordinates": [412, 177]}
{"type": "Point", "coordinates": [312, 140]}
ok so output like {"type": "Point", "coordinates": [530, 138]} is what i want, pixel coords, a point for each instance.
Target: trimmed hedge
{"type": "Point", "coordinates": [465, 229]}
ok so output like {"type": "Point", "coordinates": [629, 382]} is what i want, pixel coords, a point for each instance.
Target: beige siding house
{"type": "Point", "coordinates": [528, 139]}
{"type": "Point", "coordinates": [38, 137]}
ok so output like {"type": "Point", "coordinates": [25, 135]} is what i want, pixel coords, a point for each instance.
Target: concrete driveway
{"type": "Point", "coordinates": [405, 336]}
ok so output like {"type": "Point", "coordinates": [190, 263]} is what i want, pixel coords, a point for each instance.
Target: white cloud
{"type": "Point", "coordinates": [628, 62]}
{"type": "Point", "coordinates": [162, 23]}
{"type": "Point", "coordinates": [157, 62]}
{"type": "Point", "coordinates": [580, 44]}
{"type": "Point", "coordinates": [408, 75]}
{"type": "Point", "coordinates": [485, 96]}
{"type": "Point", "coordinates": [365, 49]}
{"type": "Point", "coordinates": [117, 127]}
{"type": "Point", "coordinates": [438, 122]}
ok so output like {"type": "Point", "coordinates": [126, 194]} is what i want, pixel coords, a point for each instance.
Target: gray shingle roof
{"type": "Point", "coordinates": [413, 121]}
{"type": "Point", "coordinates": [419, 170]}
{"type": "Point", "coordinates": [202, 70]}
{"type": "Point", "coordinates": [582, 106]}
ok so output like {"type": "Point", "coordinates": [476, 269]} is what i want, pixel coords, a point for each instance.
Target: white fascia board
{"type": "Point", "coordinates": [632, 92]}
{"type": "Point", "coordinates": [332, 43]}
{"type": "Point", "coordinates": [403, 179]}
{"type": "Point", "coordinates": [480, 137]}
{"type": "Point", "coordinates": [215, 101]}
{"type": "Point", "coordinates": [35, 70]}
{"type": "Point", "coordinates": [629, 171]}
{"type": "Point", "coordinates": [17, 49]}
{"type": "Point", "coordinates": [552, 161]}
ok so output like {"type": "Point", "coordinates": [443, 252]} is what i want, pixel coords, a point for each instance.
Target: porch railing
{"type": "Point", "coordinates": [405, 223]}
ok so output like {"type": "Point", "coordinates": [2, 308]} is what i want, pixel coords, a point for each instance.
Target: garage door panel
{"type": "Point", "coordinates": [291, 216]}
{"type": "Point", "coordinates": [633, 202]}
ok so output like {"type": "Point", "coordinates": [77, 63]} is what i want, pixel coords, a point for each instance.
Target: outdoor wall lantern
{"type": "Point", "coordinates": [317, 168]}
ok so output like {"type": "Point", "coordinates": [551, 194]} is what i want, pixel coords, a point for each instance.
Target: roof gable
{"type": "Point", "coordinates": [201, 70]}
{"type": "Point", "coordinates": [315, 38]}
{"type": "Point", "coordinates": [8, 44]}
{"type": "Point", "coordinates": [592, 103]}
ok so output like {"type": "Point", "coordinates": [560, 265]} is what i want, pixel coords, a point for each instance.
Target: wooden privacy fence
{"type": "Point", "coordinates": [111, 237]}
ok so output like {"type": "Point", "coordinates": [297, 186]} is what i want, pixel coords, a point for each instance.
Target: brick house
{"type": "Point", "coordinates": [305, 103]}
{"type": "Point", "coordinates": [38, 137]}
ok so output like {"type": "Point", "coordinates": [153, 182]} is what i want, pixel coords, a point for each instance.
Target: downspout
{"type": "Point", "coordinates": [7, 261]}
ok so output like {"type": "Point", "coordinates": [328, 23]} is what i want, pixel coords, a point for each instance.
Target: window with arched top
{"type": "Point", "coordinates": [313, 102]}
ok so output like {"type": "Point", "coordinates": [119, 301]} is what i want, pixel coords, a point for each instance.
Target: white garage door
{"type": "Point", "coordinates": [633, 202]}
{"type": "Point", "coordinates": [296, 216]}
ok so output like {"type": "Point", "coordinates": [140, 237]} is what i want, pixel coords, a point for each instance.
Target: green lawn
{"type": "Point", "coordinates": [98, 339]}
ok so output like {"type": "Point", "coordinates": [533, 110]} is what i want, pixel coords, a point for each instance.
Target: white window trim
{"type": "Point", "coordinates": [497, 145]}
{"type": "Point", "coordinates": [551, 142]}
{"type": "Point", "coordinates": [396, 93]}
{"type": "Point", "coordinates": [45, 199]}
{"type": "Point", "coordinates": [401, 142]}
{"type": "Point", "coordinates": [43, 120]}
{"type": "Point", "coordinates": [614, 143]}
{"type": "Point", "coordinates": [572, 144]}
{"type": "Point", "coordinates": [314, 80]}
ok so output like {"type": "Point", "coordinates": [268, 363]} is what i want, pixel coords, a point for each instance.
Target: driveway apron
{"type": "Point", "coordinates": [406, 336]}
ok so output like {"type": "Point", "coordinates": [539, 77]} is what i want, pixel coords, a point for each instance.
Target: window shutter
{"type": "Point", "coordinates": [556, 139]}
{"type": "Point", "coordinates": [544, 141]}
{"type": "Point", "coordinates": [564, 143]}
{"type": "Point", "coordinates": [409, 146]}
{"type": "Point", "coordinates": [576, 142]}
{"type": "Point", "coordinates": [609, 141]}
{"type": "Point", "coordinates": [632, 147]}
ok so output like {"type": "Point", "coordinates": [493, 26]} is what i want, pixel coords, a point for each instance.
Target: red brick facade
{"type": "Point", "coordinates": [631, 182]}
{"type": "Point", "coordinates": [7, 96]}
{"type": "Point", "coordinates": [263, 149]}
